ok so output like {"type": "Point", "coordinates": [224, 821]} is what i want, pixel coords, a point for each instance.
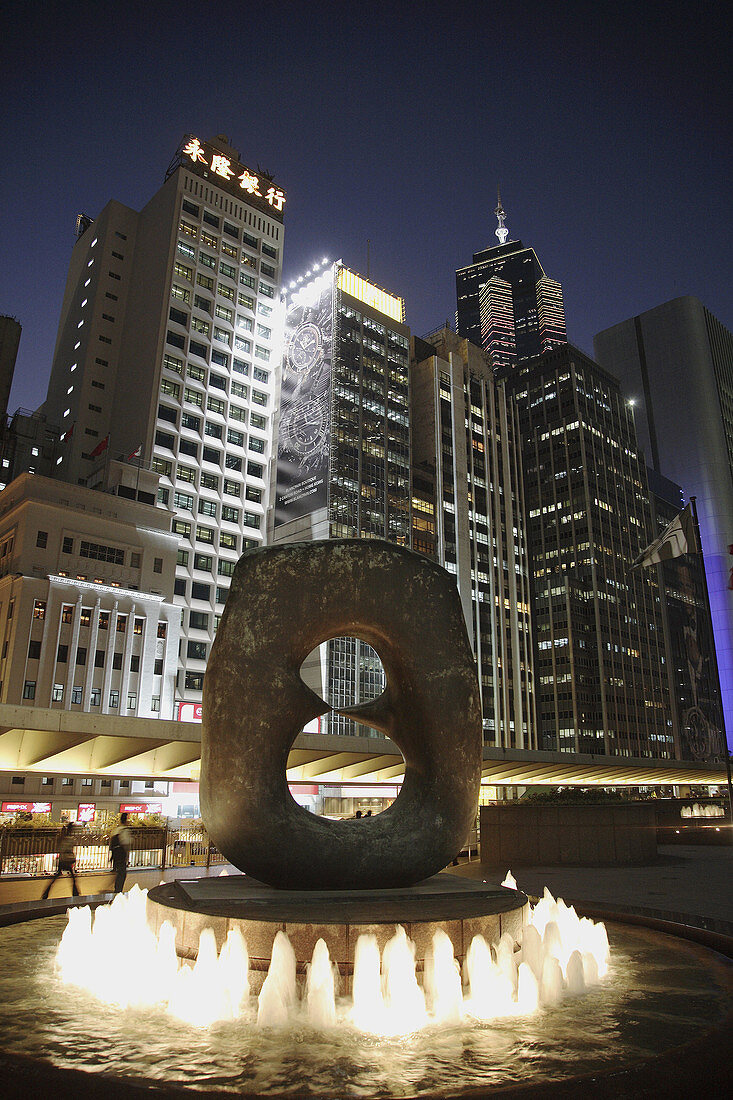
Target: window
{"type": "Point", "coordinates": [157, 565]}
{"type": "Point", "coordinates": [57, 695]}
{"type": "Point", "coordinates": [209, 239]}
{"type": "Point", "coordinates": [235, 437]}
{"type": "Point", "coordinates": [209, 481]}
{"type": "Point", "coordinates": [81, 655]}
{"type": "Point", "coordinates": [39, 609]}
{"type": "Point", "coordinates": [42, 540]}
{"type": "Point", "coordinates": [233, 462]}
{"type": "Point", "coordinates": [173, 363]}
{"type": "Point", "coordinates": [193, 423]}
{"type": "Point", "coordinates": [257, 445]}
{"type": "Point", "coordinates": [162, 629]}
{"type": "Point", "coordinates": [242, 345]}
{"type": "Point", "coordinates": [114, 702]}
{"type": "Point", "coordinates": [216, 405]}
{"type": "Point", "coordinates": [202, 561]}
{"type": "Point", "coordinates": [164, 439]}
{"type": "Point", "coordinates": [138, 626]}
{"type": "Point", "coordinates": [62, 654]}
{"type": "Point", "coordinates": [29, 691]}
{"type": "Point", "coordinates": [238, 390]}
{"type": "Point", "coordinates": [221, 594]}
{"type": "Point", "coordinates": [259, 398]}
{"type": "Point", "coordinates": [67, 546]}
{"type": "Point", "coordinates": [158, 667]}
{"type": "Point", "coordinates": [200, 591]}
{"type": "Point", "coordinates": [162, 466]}
{"type": "Point", "coordinates": [264, 331]}
{"type": "Point", "coordinates": [268, 251]}
{"type": "Point", "coordinates": [47, 781]}
{"type": "Point", "coordinates": [251, 520]}
{"type": "Point", "coordinates": [257, 421]}
{"type": "Point", "coordinates": [232, 488]}
{"type": "Point", "coordinates": [225, 568]}
{"type": "Point", "coordinates": [268, 270]}
{"type": "Point", "coordinates": [121, 624]}
{"type": "Point", "coordinates": [228, 270]}
{"type": "Point", "coordinates": [268, 291]}
{"type": "Point", "coordinates": [240, 367]}
{"type": "Point", "coordinates": [205, 281]}
{"type": "Point", "coordinates": [207, 508]}
{"type": "Point", "coordinates": [183, 272]}
{"type": "Point", "coordinates": [67, 781]}
{"type": "Point", "coordinates": [231, 230]}
{"type": "Point", "coordinates": [182, 557]}
{"type": "Point", "coordinates": [135, 559]}
{"type": "Point", "coordinates": [230, 514]}
{"type": "Point", "coordinates": [198, 325]}
{"type": "Point", "coordinates": [180, 587]}
{"type": "Point", "coordinates": [246, 301]}
{"type": "Point", "coordinates": [224, 313]}
{"type": "Point", "coordinates": [227, 541]}
{"type": "Point", "coordinates": [197, 349]}
{"type": "Point", "coordinates": [253, 242]}
{"type": "Point", "coordinates": [258, 373]}
{"type": "Point", "coordinates": [104, 620]}
{"type": "Point", "coordinates": [202, 303]}
{"type": "Point", "coordinates": [229, 250]}
{"type": "Point", "coordinates": [155, 703]}
{"type": "Point", "coordinates": [135, 662]}
{"type": "Point", "coordinates": [226, 292]}
{"type": "Point", "coordinates": [190, 208]}
{"type": "Point", "coordinates": [206, 260]}
{"type": "Point", "coordinates": [187, 229]}
{"type": "Point", "coordinates": [211, 219]}
{"type": "Point", "coordinates": [210, 455]}
{"type": "Point", "coordinates": [195, 372]}
{"type": "Point", "coordinates": [183, 501]}
{"type": "Point", "coordinates": [180, 293]}
{"type": "Point", "coordinates": [131, 700]}
{"type": "Point", "coordinates": [195, 681]}
{"type": "Point", "coordinates": [182, 528]}
{"type": "Point", "coordinates": [99, 659]}
{"type": "Point", "coordinates": [237, 413]}
{"type": "Point", "coordinates": [215, 431]}
{"type": "Point", "coordinates": [175, 340]}
{"type": "Point", "coordinates": [194, 397]}
{"type": "Point", "coordinates": [95, 700]}
{"type": "Point", "coordinates": [205, 534]}
{"type": "Point", "coordinates": [253, 494]}
{"type": "Point", "coordinates": [198, 620]}
{"type": "Point", "coordinates": [196, 651]}
{"type": "Point", "coordinates": [117, 661]}
{"type": "Point", "coordinates": [222, 334]}
{"type": "Point", "coordinates": [99, 552]}
{"type": "Point", "coordinates": [171, 389]}
{"type": "Point", "coordinates": [179, 316]}
{"type": "Point", "coordinates": [76, 697]}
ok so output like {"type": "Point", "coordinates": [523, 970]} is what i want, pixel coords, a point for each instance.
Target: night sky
{"type": "Point", "coordinates": [607, 126]}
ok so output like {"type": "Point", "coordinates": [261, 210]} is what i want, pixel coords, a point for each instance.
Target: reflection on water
{"type": "Point", "coordinates": [658, 993]}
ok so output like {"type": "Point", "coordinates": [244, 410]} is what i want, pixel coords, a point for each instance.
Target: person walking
{"type": "Point", "coordinates": [119, 845]}
{"type": "Point", "coordinates": [67, 861]}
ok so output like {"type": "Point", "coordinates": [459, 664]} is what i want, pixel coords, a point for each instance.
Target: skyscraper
{"type": "Point", "coordinates": [343, 461]}
{"type": "Point", "coordinates": [602, 685]}
{"type": "Point", "coordinates": [678, 360]}
{"type": "Point", "coordinates": [506, 303]}
{"type": "Point", "coordinates": [165, 357]}
{"type": "Point", "coordinates": [468, 512]}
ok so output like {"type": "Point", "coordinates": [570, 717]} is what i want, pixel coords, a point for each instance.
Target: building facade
{"type": "Point", "coordinates": [165, 357]}
{"type": "Point", "coordinates": [10, 331]}
{"type": "Point", "coordinates": [678, 360]}
{"type": "Point", "coordinates": [506, 303]}
{"type": "Point", "coordinates": [87, 617]}
{"type": "Point", "coordinates": [343, 464]}
{"type": "Point", "coordinates": [29, 444]}
{"type": "Point", "coordinates": [602, 685]}
{"type": "Point", "coordinates": [468, 513]}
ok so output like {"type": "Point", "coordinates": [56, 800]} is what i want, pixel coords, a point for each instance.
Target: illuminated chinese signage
{"type": "Point", "coordinates": [86, 811]}
{"type": "Point", "coordinates": [233, 173]}
{"type": "Point", "coordinates": [26, 808]}
{"type": "Point", "coordinates": [141, 807]}
{"type": "Point", "coordinates": [364, 291]}
{"type": "Point", "coordinates": [189, 712]}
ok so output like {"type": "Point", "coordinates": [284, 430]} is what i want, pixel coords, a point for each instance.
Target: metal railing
{"type": "Point", "coordinates": [34, 852]}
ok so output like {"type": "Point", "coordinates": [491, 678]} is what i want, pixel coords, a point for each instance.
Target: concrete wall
{"type": "Point", "coordinates": [538, 835]}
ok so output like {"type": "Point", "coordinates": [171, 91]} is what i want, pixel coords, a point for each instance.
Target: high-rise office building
{"type": "Point", "coordinates": [165, 357]}
{"type": "Point", "coordinates": [678, 360]}
{"type": "Point", "coordinates": [506, 303]}
{"type": "Point", "coordinates": [602, 684]}
{"type": "Point", "coordinates": [343, 461]}
{"type": "Point", "coordinates": [468, 512]}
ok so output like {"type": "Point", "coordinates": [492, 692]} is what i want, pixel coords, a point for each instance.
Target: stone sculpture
{"type": "Point", "coordinates": [284, 601]}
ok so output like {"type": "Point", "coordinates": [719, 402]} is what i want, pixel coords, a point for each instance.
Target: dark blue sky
{"type": "Point", "coordinates": [608, 127]}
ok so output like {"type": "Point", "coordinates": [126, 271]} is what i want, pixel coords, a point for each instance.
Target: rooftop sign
{"type": "Point", "coordinates": [209, 161]}
{"type": "Point", "coordinates": [371, 295]}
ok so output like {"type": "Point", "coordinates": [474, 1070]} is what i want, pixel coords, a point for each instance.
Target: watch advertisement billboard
{"type": "Point", "coordinates": [305, 403]}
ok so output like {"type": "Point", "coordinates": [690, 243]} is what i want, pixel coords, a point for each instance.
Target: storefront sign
{"type": "Point", "coordinates": [141, 807]}
{"type": "Point", "coordinates": [26, 808]}
{"type": "Point", "coordinates": [86, 811]}
{"type": "Point", "coordinates": [188, 712]}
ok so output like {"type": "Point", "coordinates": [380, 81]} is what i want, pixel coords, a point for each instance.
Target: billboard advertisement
{"type": "Point", "coordinates": [305, 402]}
{"type": "Point", "coordinates": [26, 807]}
{"type": "Point", "coordinates": [188, 712]}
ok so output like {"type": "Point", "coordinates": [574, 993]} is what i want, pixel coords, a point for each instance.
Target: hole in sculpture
{"type": "Point", "coordinates": [344, 671]}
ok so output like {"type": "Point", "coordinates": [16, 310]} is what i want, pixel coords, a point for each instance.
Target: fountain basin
{"type": "Point", "coordinates": [460, 907]}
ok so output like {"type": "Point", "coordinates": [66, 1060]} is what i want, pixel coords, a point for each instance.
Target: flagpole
{"type": "Point", "coordinates": [137, 477]}
{"type": "Point", "coordinates": [726, 754]}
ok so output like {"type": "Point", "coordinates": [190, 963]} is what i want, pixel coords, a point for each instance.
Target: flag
{"type": "Point", "coordinates": [68, 434]}
{"type": "Point", "coordinates": [101, 446]}
{"type": "Point", "coordinates": [136, 454]}
{"type": "Point", "coordinates": [678, 537]}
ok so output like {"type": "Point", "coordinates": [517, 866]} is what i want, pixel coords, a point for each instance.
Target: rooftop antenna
{"type": "Point", "coordinates": [367, 271]}
{"type": "Point", "coordinates": [502, 232]}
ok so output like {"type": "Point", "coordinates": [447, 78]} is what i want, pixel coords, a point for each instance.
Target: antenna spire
{"type": "Point", "coordinates": [502, 232]}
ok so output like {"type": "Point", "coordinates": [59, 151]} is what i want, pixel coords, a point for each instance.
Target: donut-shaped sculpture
{"type": "Point", "coordinates": [284, 601]}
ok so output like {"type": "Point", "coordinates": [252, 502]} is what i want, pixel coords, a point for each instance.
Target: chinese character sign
{"type": "Point", "coordinates": [222, 166]}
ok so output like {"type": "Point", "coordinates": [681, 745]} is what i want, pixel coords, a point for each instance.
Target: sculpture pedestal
{"type": "Point", "coordinates": [461, 907]}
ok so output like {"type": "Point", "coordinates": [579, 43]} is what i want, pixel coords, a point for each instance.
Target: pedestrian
{"type": "Point", "coordinates": [67, 861]}
{"type": "Point", "coordinates": [119, 845]}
